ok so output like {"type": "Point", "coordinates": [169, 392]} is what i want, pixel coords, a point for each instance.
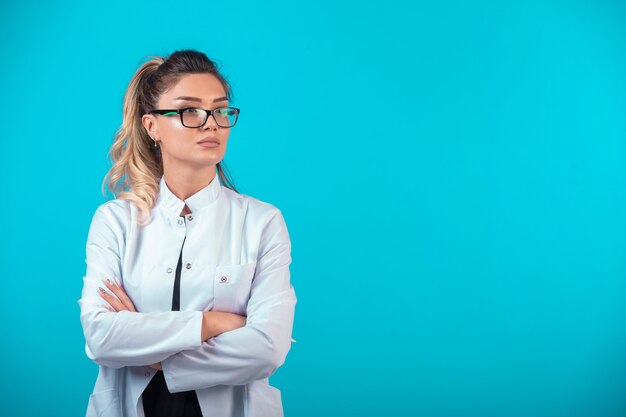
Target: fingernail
{"type": "Point", "coordinates": [101, 290]}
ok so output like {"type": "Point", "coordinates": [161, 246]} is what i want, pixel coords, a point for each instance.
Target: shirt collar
{"type": "Point", "coordinates": [201, 199]}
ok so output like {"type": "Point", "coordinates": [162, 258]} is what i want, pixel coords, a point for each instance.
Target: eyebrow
{"type": "Point", "coordinates": [199, 100]}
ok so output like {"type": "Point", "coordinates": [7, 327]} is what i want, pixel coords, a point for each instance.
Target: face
{"type": "Point", "coordinates": [180, 144]}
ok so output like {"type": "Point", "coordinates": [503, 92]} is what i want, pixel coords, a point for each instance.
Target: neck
{"type": "Point", "coordinates": [184, 182]}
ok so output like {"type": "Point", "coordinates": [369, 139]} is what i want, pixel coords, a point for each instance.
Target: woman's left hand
{"type": "Point", "coordinates": [121, 303]}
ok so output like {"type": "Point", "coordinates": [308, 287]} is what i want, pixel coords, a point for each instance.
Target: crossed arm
{"type": "Point", "coordinates": [194, 349]}
{"type": "Point", "coordinates": [213, 322]}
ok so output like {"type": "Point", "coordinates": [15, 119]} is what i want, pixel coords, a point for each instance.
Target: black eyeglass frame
{"type": "Point", "coordinates": [208, 113]}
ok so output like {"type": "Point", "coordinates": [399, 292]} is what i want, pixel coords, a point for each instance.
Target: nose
{"type": "Point", "coordinates": [210, 123]}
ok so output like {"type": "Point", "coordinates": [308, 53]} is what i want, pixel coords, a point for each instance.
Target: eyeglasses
{"type": "Point", "coordinates": [197, 117]}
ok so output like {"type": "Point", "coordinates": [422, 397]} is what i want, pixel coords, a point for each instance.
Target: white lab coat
{"type": "Point", "coordinates": [236, 258]}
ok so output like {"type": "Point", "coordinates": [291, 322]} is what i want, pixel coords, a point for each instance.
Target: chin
{"type": "Point", "coordinates": [207, 161]}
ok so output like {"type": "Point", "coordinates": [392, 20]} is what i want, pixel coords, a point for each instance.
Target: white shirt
{"type": "Point", "coordinates": [236, 258]}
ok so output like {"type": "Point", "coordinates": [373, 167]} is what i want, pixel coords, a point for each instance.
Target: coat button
{"type": "Point", "coordinates": [190, 217]}
{"type": "Point", "coordinates": [188, 266]}
{"type": "Point", "coordinates": [147, 374]}
{"type": "Point", "coordinates": [180, 221]}
{"type": "Point", "coordinates": [224, 279]}
{"type": "Point", "coordinates": [169, 270]}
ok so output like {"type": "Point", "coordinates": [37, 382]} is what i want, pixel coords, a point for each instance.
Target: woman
{"type": "Point", "coordinates": [187, 304]}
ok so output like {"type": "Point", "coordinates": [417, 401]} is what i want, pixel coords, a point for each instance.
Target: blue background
{"type": "Point", "coordinates": [453, 176]}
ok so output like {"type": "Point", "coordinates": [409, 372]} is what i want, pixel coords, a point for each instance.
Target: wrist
{"type": "Point", "coordinates": [208, 325]}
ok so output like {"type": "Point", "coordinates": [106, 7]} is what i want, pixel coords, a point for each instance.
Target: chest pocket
{"type": "Point", "coordinates": [232, 285]}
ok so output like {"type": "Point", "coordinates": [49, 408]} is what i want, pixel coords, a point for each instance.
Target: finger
{"type": "Point", "coordinates": [109, 308]}
{"type": "Point", "coordinates": [120, 294]}
{"type": "Point", "coordinates": [114, 302]}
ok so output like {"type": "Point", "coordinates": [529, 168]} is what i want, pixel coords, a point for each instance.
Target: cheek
{"type": "Point", "coordinates": [223, 136]}
{"type": "Point", "coordinates": [178, 139]}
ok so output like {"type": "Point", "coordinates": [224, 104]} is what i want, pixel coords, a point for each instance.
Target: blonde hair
{"type": "Point", "coordinates": [137, 165]}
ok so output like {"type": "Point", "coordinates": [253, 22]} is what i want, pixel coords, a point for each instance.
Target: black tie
{"type": "Point", "coordinates": [157, 400]}
{"type": "Point", "coordinates": [176, 293]}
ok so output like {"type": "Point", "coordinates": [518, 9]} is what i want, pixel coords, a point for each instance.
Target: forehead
{"type": "Point", "coordinates": [204, 86]}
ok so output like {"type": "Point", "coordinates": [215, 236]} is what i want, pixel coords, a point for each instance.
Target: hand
{"type": "Point", "coordinates": [121, 303]}
{"type": "Point", "coordinates": [217, 322]}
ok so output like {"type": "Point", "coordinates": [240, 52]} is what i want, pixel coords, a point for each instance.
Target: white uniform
{"type": "Point", "coordinates": [236, 258]}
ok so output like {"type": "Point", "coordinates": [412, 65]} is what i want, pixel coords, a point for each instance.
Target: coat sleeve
{"type": "Point", "coordinates": [125, 338]}
{"type": "Point", "coordinates": [257, 349]}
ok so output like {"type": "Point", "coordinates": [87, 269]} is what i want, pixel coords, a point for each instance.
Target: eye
{"type": "Point", "coordinates": [226, 111]}
{"type": "Point", "coordinates": [192, 110]}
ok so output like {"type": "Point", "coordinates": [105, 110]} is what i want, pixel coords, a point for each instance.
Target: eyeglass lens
{"type": "Point", "coordinates": [224, 117]}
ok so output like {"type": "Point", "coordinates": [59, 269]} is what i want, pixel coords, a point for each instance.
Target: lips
{"type": "Point", "coordinates": [210, 140]}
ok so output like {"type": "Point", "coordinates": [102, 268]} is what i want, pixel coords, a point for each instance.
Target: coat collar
{"type": "Point", "coordinates": [169, 202]}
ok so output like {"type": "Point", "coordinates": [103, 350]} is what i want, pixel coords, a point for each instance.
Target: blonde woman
{"type": "Point", "coordinates": [187, 305]}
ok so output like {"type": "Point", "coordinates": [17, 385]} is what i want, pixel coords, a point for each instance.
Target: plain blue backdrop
{"type": "Point", "coordinates": [453, 176]}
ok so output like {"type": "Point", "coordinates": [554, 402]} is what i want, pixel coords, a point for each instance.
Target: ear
{"type": "Point", "coordinates": [149, 123]}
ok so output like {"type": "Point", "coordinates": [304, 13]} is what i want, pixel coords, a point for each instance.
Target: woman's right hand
{"type": "Point", "coordinates": [217, 322]}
